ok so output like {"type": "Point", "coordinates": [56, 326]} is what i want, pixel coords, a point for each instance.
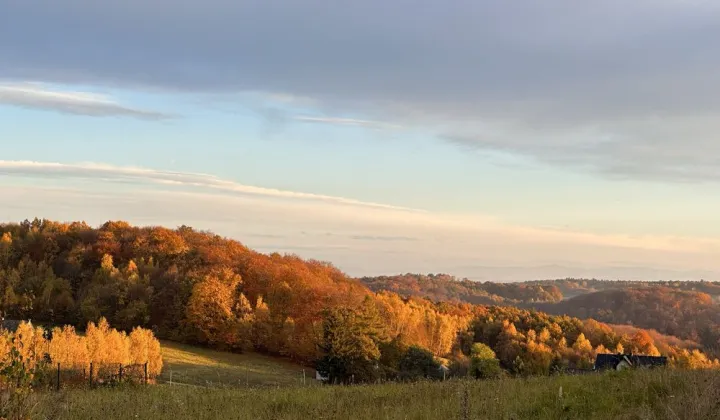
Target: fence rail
{"type": "Point", "coordinates": [99, 375]}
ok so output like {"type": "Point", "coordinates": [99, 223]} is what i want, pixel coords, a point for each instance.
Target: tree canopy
{"type": "Point", "coordinates": [198, 287]}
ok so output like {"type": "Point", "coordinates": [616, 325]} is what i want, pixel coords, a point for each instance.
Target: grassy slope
{"type": "Point", "coordinates": [198, 366]}
{"type": "Point", "coordinates": [660, 394]}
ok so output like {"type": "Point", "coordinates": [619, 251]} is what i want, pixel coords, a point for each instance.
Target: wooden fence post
{"type": "Point", "coordinates": [58, 377]}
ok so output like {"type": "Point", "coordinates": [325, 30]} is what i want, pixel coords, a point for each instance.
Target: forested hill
{"type": "Point", "coordinates": [443, 287]}
{"type": "Point", "coordinates": [574, 287]}
{"type": "Point", "coordinates": [685, 314]}
{"type": "Point", "coordinates": [440, 287]}
{"type": "Point", "coordinates": [200, 288]}
{"type": "Point", "coordinates": [684, 309]}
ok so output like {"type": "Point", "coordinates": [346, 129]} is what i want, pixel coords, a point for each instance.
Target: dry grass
{"type": "Point", "coordinates": [198, 366]}
{"type": "Point", "coordinates": [662, 394]}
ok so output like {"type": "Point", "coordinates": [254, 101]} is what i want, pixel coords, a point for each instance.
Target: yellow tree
{"type": "Point", "coordinates": [145, 348]}
{"type": "Point", "coordinates": [210, 309]}
{"type": "Point", "coordinates": [68, 348]}
{"type": "Point", "coordinates": [583, 350]}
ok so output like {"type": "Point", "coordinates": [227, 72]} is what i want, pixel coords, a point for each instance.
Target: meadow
{"type": "Point", "coordinates": [658, 394]}
{"type": "Point", "coordinates": [188, 365]}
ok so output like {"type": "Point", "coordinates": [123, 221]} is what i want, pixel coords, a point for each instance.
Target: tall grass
{"type": "Point", "coordinates": [659, 394]}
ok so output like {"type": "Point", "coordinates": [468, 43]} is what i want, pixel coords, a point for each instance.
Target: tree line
{"type": "Point", "coordinates": [199, 288]}
{"type": "Point", "coordinates": [437, 287]}
{"type": "Point", "coordinates": [29, 355]}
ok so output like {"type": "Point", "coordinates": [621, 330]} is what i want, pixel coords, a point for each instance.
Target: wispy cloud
{"type": "Point", "coordinates": [347, 122]}
{"type": "Point", "coordinates": [346, 216]}
{"type": "Point", "coordinates": [383, 238]}
{"type": "Point", "coordinates": [292, 225]}
{"type": "Point", "coordinates": [182, 179]}
{"type": "Point", "coordinates": [40, 96]}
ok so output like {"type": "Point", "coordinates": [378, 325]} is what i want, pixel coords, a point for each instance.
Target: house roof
{"type": "Point", "coordinates": [604, 361]}
{"type": "Point", "coordinates": [10, 324]}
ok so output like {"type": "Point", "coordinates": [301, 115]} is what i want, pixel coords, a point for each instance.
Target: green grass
{"type": "Point", "coordinates": [660, 394]}
{"type": "Point", "coordinates": [189, 365]}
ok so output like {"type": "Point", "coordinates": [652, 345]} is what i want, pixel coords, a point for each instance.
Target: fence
{"type": "Point", "coordinates": [99, 374]}
{"type": "Point", "coordinates": [245, 376]}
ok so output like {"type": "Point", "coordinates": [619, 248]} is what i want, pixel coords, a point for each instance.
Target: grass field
{"type": "Point", "coordinates": [660, 394]}
{"type": "Point", "coordinates": [189, 365]}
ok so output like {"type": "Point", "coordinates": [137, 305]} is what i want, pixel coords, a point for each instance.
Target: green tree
{"type": "Point", "coordinates": [483, 362]}
{"type": "Point", "coordinates": [418, 363]}
{"type": "Point", "coordinates": [390, 354]}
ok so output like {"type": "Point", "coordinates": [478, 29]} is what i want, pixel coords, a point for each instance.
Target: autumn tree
{"type": "Point", "coordinates": [213, 310]}
{"type": "Point", "coordinates": [583, 350]}
{"type": "Point", "coordinates": [350, 344]}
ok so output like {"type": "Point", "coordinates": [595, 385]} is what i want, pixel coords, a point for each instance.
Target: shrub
{"type": "Point", "coordinates": [483, 362]}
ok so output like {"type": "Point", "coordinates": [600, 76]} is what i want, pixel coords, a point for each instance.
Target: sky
{"type": "Point", "coordinates": [490, 140]}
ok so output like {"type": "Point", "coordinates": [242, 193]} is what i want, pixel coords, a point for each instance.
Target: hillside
{"type": "Point", "coordinates": [192, 365]}
{"type": "Point", "coordinates": [659, 394]}
{"type": "Point", "coordinates": [199, 288]}
{"type": "Point", "coordinates": [691, 315]}
{"type": "Point", "coordinates": [575, 287]}
{"type": "Point", "coordinates": [686, 310]}
{"type": "Point", "coordinates": [443, 287]}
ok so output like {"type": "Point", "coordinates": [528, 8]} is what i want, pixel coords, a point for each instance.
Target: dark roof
{"type": "Point", "coordinates": [10, 324]}
{"type": "Point", "coordinates": [610, 361]}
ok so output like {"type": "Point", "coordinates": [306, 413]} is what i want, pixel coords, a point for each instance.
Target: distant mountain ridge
{"type": "Point", "coordinates": [558, 271]}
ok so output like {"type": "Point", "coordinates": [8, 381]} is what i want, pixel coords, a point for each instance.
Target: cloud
{"type": "Point", "coordinates": [181, 198]}
{"type": "Point", "coordinates": [299, 226]}
{"type": "Point", "coordinates": [38, 96]}
{"type": "Point", "coordinates": [92, 171]}
{"type": "Point", "coordinates": [383, 238]}
{"type": "Point", "coordinates": [623, 89]}
{"type": "Point", "coordinates": [346, 122]}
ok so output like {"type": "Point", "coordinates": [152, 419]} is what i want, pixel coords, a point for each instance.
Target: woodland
{"type": "Point", "coordinates": [197, 287]}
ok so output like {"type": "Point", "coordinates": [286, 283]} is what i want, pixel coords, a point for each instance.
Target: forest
{"type": "Point", "coordinates": [686, 314]}
{"type": "Point", "coordinates": [687, 310]}
{"type": "Point", "coordinates": [444, 287]}
{"type": "Point", "coordinates": [200, 288]}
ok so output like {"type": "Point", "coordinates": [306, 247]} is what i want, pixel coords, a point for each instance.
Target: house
{"type": "Point", "coordinates": [621, 361]}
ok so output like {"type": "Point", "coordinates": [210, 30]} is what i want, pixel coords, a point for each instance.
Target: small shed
{"type": "Point", "coordinates": [622, 361]}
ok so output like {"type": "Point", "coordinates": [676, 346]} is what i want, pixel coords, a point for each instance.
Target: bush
{"type": "Point", "coordinates": [483, 362]}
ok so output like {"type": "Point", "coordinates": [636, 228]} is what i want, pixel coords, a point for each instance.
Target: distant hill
{"type": "Point", "coordinates": [504, 274]}
{"type": "Point", "coordinates": [443, 287]}
{"type": "Point", "coordinates": [687, 314]}
{"type": "Point", "coordinates": [683, 309]}
{"type": "Point", "coordinates": [439, 287]}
